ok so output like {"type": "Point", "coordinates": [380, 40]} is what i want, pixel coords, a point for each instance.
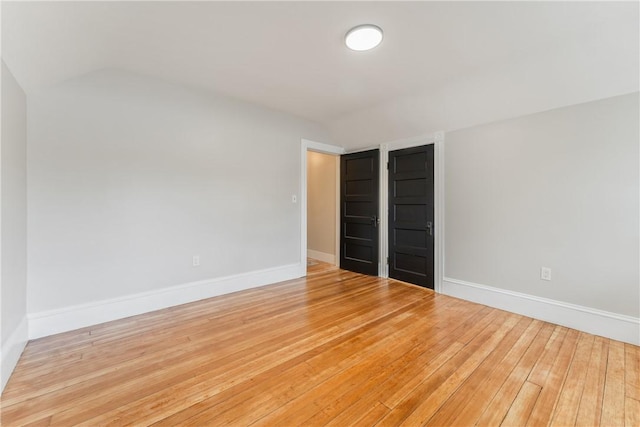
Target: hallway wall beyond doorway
{"type": "Point", "coordinates": [321, 206]}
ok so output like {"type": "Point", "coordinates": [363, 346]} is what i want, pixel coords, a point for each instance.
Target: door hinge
{"type": "Point", "coordinates": [387, 165]}
{"type": "Point", "coordinates": [387, 260]}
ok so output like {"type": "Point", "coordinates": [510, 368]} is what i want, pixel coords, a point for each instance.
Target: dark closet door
{"type": "Point", "coordinates": [359, 199]}
{"type": "Point", "coordinates": [411, 220]}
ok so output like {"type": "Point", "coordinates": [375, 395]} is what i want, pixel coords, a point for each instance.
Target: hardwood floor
{"type": "Point", "coordinates": [335, 348]}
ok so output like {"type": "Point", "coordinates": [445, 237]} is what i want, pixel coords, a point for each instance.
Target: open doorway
{"type": "Point", "coordinates": [320, 169]}
{"type": "Point", "coordinates": [322, 185]}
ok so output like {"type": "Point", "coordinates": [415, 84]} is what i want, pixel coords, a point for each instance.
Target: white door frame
{"type": "Point", "coordinates": [319, 147]}
{"type": "Point", "coordinates": [437, 139]}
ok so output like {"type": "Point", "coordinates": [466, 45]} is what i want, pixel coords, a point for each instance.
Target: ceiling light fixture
{"type": "Point", "coordinates": [363, 37]}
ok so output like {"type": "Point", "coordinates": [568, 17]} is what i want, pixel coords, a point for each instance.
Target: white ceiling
{"type": "Point", "coordinates": [290, 56]}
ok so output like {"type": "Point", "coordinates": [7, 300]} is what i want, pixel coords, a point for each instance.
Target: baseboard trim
{"type": "Point", "coordinates": [11, 350]}
{"type": "Point", "coordinates": [79, 316]}
{"type": "Point", "coordinates": [321, 256]}
{"type": "Point", "coordinates": [598, 322]}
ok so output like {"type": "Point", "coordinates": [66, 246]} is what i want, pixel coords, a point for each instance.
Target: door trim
{"type": "Point", "coordinates": [437, 139]}
{"type": "Point", "coordinates": [308, 145]}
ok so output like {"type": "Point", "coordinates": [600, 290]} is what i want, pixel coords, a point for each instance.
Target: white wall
{"type": "Point", "coordinates": [321, 206]}
{"type": "Point", "coordinates": [558, 189]}
{"type": "Point", "coordinates": [13, 227]}
{"type": "Point", "coordinates": [129, 178]}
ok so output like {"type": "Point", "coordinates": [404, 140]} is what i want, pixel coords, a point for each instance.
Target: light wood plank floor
{"type": "Point", "coordinates": [336, 348]}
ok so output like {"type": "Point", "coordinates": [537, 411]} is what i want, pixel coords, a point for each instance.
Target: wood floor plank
{"type": "Point", "coordinates": [590, 409]}
{"type": "Point", "coordinates": [173, 363]}
{"type": "Point", "coordinates": [548, 398]}
{"type": "Point", "coordinates": [493, 411]}
{"type": "Point", "coordinates": [521, 408]}
{"type": "Point", "coordinates": [485, 383]}
{"type": "Point", "coordinates": [569, 400]}
{"type": "Point", "coordinates": [435, 352]}
{"type": "Point", "coordinates": [227, 351]}
{"type": "Point", "coordinates": [345, 400]}
{"type": "Point", "coordinates": [427, 408]}
{"type": "Point", "coordinates": [422, 403]}
{"type": "Point", "coordinates": [411, 383]}
{"type": "Point", "coordinates": [204, 381]}
{"type": "Point", "coordinates": [632, 371]}
{"type": "Point", "coordinates": [268, 392]}
{"type": "Point", "coordinates": [631, 412]}
{"type": "Point", "coordinates": [613, 401]}
{"type": "Point", "coordinates": [478, 380]}
{"type": "Point", "coordinates": [201, 359]}
{"type": "Point", "coordinates": [334, 348]}
{"type": "Point", "coordinates": [543, 366]}
{"type": "Point", "coordinates": [319, 404]}
{"type": "Point", "coordinates": [371, 417]}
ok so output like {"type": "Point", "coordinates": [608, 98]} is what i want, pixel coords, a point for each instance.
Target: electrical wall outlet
{"type": "Point", "coordinates": [545, 273]}
{"type": "Point", "coordinates": [196, 260]}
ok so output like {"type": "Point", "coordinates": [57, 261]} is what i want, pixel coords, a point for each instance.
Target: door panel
{"type": "Point", "coordinates": [359, 200]}
{"type": "Point", "coordinates": [411, 215]}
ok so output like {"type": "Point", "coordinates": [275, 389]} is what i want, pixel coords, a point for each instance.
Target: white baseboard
{"type": "Point", "coordinates": [11, 350]}
{"type": "Point", "coordinates": [598, 322]}
{"type": "Point", "coordinates": [79, 316]}
{"type": "Point", "coordinates": [321, 256]}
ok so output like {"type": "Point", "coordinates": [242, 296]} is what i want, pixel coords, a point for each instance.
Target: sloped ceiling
{"type": "Point", "coordinates": [441, 66]}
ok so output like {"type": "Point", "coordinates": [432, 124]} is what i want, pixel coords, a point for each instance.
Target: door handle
{"type": "Point", "coordinates": [430, 227]}
{"type": "Point", "coordinates": [375, 220]}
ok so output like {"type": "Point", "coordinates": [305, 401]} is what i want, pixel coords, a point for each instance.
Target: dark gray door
{"type": "Point", "coordinates": [411, 219]}
{"type": "Point", "coordinates": [359, 197]}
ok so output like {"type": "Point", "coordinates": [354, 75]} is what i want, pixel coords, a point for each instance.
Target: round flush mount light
{"type": "Point", "coordinates": [363, 37]}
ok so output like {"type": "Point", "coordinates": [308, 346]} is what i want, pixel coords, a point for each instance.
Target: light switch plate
{"type": "Point", "coordinates": [545, 273]}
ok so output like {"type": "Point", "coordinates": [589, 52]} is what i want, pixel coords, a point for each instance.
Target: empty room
{"type": "Point", "coordinates": [320, 213]}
